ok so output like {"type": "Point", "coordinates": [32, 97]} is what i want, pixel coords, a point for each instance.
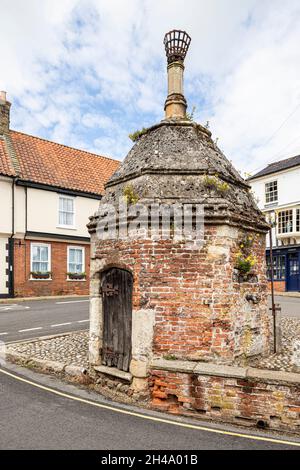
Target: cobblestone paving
{"type": "Point", "coordinates": [290, 328]}
{"type": "Point", "coordinates": [73, 348]}
{"type": "Point", "coordinates": [69, 349]}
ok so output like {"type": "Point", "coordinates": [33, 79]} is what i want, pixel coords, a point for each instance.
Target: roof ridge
{"type": "Point", "coordinates": [11, 153]}
{"type": "Point", "coordinates": [64, 145]}
{"type": "Point", "coordinates": [283, 160]}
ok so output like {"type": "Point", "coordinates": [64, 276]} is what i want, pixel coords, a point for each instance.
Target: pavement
{"type": "Point", "coordinates": [25, 319]}
{"type": "Point", "coordinates": [290, 306]}
{"type": "Point", "coordinates": [40, 412]}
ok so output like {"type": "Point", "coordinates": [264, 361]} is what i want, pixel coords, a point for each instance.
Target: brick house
{"type": "Point", "coordinates": [47, 192]}
{"type": "Point", "coordinates": [277, 189]}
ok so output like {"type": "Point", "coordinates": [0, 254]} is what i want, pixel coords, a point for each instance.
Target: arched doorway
{"type": "Point", "coordinates": [116, 291]}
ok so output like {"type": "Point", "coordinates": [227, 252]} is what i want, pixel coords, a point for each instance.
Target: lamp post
{"type": "Point", "coordinates": [176, 45]}
{"type": "Point", "coordinates": [271, 221]}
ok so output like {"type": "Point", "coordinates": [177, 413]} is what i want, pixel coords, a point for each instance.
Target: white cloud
{"type": "Point", "coordinates": [89, 72]}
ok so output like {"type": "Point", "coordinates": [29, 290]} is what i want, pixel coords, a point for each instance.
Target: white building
{"type": "Point", "coordinates": [47, 193]}
{"type": "Point", "coordinates": [277, 188]}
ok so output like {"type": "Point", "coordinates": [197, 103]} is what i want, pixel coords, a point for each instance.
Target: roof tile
{"type": "Point", "coordinates": [277, 166]}
{"type": "Point", "coordinates": [45, 162]}
{"type": "Point", "coordinates": [6, 167]}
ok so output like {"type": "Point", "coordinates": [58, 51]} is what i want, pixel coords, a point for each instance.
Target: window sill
{"type": "Point", "coordinates": [67, 227]}
{"type": "Point", "coordinates": [288, 235]}
{"type": "Point", "coordinates": [76, 280]}
{"type": "Point", "coordinates": [41, 279]}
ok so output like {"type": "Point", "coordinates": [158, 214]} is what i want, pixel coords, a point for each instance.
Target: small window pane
{"type": "Point", "coordinates": [66, 211]}
{"type": "Point", "coordinates": [75, 260]}
{"type": "Point", "coordinates": [271, 191]}
{"type": "Point", "coordinates": [285, 221]}
{"type": "Point", "coordinates": [69, 219]}
{"type": "Point", "coordinates": [44, 253]}
{"type": "Point", "coordinates": [35, 253]}
{"type": "Point", "coordinates": [40, 258]}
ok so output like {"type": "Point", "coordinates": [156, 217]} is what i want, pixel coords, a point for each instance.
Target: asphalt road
{"type": "Point", "coordinates": [22, 320]}
{"type": "Point", "coordinates": [32, 318]}
{"type": "Point", "coordinates": [34, 418]}
{"type": "Point", "coordinates": [290, 306]}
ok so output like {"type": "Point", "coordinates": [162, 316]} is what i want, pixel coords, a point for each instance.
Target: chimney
{"type": "Point", "coordinates": [4, 113]}
{"type": "Point", "coordinates": [176, 45]}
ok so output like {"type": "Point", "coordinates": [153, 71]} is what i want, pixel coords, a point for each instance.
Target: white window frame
{"type": "Point", "coordinates": [49, 258]}
{"type": "Point", "coordinates": [62, 196]}
{"type": "Point", "coordinates": [267, 203]}
{"type": "Point", "coordinates": [75, 247]}
{"type": "Point", "coordinates": [280, 232]}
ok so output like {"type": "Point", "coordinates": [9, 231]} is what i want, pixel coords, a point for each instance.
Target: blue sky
{"type": "Point", "coordinates": [87, 73]}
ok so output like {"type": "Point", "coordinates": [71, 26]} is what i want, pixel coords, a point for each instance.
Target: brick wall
{"type": "Point", "coordinates": [201, 311]}
{"type": "Point", "coordinates": [252, 402]}
{"type": "Point", "coordinates": [59, 285]}
{"type": "Point", "coordinates": [279, 286]}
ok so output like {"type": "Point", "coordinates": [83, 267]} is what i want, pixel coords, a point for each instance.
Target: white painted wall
{"type": "Point", "coordinates": [43, 207]}
{"type": "Point", "coordinates": [3, 266]}
{"type": "Point", "coordinates": [5, 205]}
{"type": "Point", "coordinates": [288, 188]}
{"type": "Point", "coordinates": [288, 184]}
{"type": "Point", "coordinates": [20, 212]}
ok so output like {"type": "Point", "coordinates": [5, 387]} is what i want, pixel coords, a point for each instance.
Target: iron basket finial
{"type": "Point", "coordinates": [176, 45]}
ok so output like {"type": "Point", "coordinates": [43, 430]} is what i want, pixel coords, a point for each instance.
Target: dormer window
{"type": "Point", "coordinates": [66, 214]}
{"type": "Point", "coordinates": [271, 191]}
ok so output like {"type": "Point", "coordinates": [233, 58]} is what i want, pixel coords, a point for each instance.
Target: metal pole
{"type": "Point", "coordinates": [272, 288]}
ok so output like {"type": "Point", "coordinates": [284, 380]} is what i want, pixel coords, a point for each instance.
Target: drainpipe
{"type": "Point", "coordinates": [11, 241]}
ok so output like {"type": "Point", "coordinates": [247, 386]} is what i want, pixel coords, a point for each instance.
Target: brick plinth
{"type": "Point", "coordinates": [58, 285]}
{"type": "Point", "coordinates": [251, 402]}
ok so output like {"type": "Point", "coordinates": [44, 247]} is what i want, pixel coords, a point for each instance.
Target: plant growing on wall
{"type": "Point", "coordinates": [245, 260]}
{"type": "Point", "coordinates": [214, 182]}
{"type": "Point", "coordinates": [190, 116]}
{"type": "Point", "coordinates": [137, 134]}
{"type": "Point", "coordinates": [130, 195]}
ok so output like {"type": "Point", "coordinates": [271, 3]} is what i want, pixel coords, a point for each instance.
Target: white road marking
{"type": "Point", "coordinates": [31, 329]}
{"type": "Point", "coordinates": [82, 321]}
{"type": "Point", "coordinates": [61, 324]}
{"type": "Point", "coordinates": [8, 305]}
{"type": "Point", "coordinates": [155, 419]}
{"type": "Point", "coordinates": [13, 307]}
{"type": "Point", "coordinates": [73, 301]}
{"type": "Point", "coordinates": [2, 334]}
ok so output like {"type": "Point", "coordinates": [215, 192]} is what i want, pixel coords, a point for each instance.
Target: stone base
{"type": "Point", "coordinates": [236, 395]}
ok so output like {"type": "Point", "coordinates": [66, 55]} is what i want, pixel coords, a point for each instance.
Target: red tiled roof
{"type": "Point", "coordinates": [6, 167]}
{"type": "Point", "coordinates": [45, 162]}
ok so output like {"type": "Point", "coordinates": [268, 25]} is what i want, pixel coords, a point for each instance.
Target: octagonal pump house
{"type": "Point", "coordinates": [157, 296]}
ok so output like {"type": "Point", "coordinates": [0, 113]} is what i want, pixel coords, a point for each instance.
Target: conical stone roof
{"type": "Point", "coordinates": [177, 161]}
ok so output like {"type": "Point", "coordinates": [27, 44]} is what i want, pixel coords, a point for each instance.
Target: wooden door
{"type": "Point", "coordinates": [116, 288]}
{"type": "Point", "coordinates": [293, 272]}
